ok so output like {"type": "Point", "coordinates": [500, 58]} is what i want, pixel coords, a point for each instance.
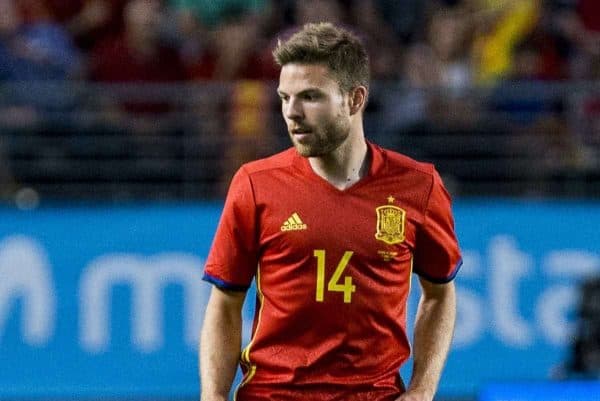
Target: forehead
{"type": "Point", "coordinates": [297, 77]}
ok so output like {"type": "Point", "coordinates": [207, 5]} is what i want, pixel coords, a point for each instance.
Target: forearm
{"type": "Point", "coordinates": [220, 344]}
{"type": "Point", "coordinates": [434, 328]}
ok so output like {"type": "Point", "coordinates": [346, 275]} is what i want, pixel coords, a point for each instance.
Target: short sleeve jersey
{"type": "Point", "coordinates": [333, 270]}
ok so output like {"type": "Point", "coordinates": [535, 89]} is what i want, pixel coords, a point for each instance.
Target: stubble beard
{"type": "Point", "coordinates": [325, 138]}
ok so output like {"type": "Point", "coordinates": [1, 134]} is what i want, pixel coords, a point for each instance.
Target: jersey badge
{"type": "Point", "coordinates": [293, 223]}
{"type": "Point", "coordinates": [390, 223]}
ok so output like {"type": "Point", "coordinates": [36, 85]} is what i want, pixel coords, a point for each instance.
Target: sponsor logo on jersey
{"type": "Point", "coordinates": [293, 223]}
{"type": "Point", "coordinates": [386, 256]}
{"type": "Point", "coordinates": [390, 223]}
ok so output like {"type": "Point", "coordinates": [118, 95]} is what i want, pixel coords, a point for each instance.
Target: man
{"type": "Point", "coordinates": [331, 230]}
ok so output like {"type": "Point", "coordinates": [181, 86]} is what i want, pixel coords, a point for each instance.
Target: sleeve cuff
{"type": "Point", "coordinates": [442, 280]}
{"type": "Point", "coordinates": [224, 285]}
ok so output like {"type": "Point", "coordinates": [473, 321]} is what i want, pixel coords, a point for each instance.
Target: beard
{"type": "Point", "coordinates": [324, 137]}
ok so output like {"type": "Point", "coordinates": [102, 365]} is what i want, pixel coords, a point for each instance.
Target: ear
{"type": "Point", "coordinates": [357, 99]}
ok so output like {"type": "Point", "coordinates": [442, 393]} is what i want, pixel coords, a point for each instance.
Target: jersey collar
{"type": "Point", "coordinates": [377, 164]}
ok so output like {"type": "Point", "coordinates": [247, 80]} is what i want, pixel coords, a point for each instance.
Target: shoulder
{"type": "Point", "coordinates": [419, 179]}
{"type": "Point", "coordinates": [278, 161]}
{"type": "Point", "coordinates": [396, 162]}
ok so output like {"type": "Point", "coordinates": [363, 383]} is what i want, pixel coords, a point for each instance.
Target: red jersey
{"type": "Point", "coordinates": [333, 270]}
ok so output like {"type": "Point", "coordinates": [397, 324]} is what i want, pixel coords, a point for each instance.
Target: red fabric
{"type": "Point", "coordinates": [589, 12]}
{"type": "Point", "coordinates": [304, 348]}
{"type": "Point", "coordinates": [592, 107]}
{"type": "Point", "coordinates": [33, 11]}
{"type": "Point", "coordinates": [259, 65]}
{"type": "Point", "coordinates": [552, 66]}
{"type": "Point", "coordinates": [64, 10]}
{"type": "Point", "coordinates": [113, 61]}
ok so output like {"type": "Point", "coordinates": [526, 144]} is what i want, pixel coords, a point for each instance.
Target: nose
{"type": "Point", "coordinates": [292, 109]}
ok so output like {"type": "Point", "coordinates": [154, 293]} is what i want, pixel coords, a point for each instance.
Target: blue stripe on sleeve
{"type": "Point", "coordinates": [223, 284]}
{"type": "Point", "coordinates": [445, 279]}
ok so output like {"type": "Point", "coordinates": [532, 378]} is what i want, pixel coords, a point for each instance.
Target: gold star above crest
{"type": "Point", "coordinates": [391, 199]}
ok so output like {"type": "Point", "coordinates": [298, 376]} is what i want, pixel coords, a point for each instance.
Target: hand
{"type": "Point", "coordinates": [416, 395]}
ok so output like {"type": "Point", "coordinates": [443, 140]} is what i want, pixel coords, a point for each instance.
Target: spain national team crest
{"type": "Point", "coordinates": [390, 224]}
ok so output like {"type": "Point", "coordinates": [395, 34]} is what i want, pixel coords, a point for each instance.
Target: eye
{"type": "Point", "coordinates": [311, 96]}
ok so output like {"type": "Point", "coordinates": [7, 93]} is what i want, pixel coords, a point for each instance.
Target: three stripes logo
{"type": "Point", "coordinates": [293, 223]}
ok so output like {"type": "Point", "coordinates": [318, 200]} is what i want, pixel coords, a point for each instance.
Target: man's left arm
{"type": "Point", "coordinates": [434, 328]}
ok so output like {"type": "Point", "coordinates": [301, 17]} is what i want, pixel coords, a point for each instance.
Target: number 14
{"type": "Point", "coordinates": [334, 283]}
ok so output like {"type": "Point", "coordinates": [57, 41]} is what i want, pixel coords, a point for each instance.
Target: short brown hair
{"type": "Point", "coordinates": [324, 43]}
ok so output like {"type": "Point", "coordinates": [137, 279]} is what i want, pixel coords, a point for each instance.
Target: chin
{"type": "Point", "coordinates": [304, 151]}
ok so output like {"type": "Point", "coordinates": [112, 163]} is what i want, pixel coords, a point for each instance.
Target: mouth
{"type": "Point", "coordinates": [300, 131]}
{"type": "Point", "coordinates": [301, 135]}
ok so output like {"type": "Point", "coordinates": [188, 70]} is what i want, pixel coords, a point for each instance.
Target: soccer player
{"type": "Point", "coordinates": [331, 230]}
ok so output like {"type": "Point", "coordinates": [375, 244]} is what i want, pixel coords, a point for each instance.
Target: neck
{"type": "Point", "coordinates": [344, 166]}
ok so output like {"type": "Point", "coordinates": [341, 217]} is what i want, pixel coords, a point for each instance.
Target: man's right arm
{"type": "Point", "coordinates": [220, 343]}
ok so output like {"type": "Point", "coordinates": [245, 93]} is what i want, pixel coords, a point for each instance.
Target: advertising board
{"type": "Point", "coordinates": [108, 300]}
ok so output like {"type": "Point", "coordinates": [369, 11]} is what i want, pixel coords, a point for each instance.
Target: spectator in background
{"type": "Point", "coordinates": [499, 25]}
{"type": "Point", "coordinates": [137, 55]}
{"type": "Point", "coordinates": [233, 50]}
{"type": "Point", "coordinates": [535, 116]}
{"type": "Point", "coordinates": [437, 74]}
{"type": "Point", "coordinates": [220, 39]}
{"type": "Point", "coordinates": [89, 21]}
{"type": "Point", "coordinates": [95, 20]}
{"type": "Point", "coordinates": [580, 25]}
{"type": "Point", "coordinates": [584, 358]}
{"type": "Point", "coordinates": [448, 36]}
{"type": "Point", "coordinates": [212, 13]}
{"type": "Point", "coordinates": [298, 13]}
{"type": "Point", "coordinates": [362, 17]}
{"type": "Point", "coordinates": [34, 48]}
{"type": "Point", "coordinates": [234, 55]}
{"type": "Point", "coordinates": [10, 22]}
{"type": "Point", "coordinates": [309, 11]}
{"type": "Point", "coordinates": [578, 22]}
{"type": "Point", "coordinates": [406, 18]}
{"type": "Point", "coordinates": [380, 37]}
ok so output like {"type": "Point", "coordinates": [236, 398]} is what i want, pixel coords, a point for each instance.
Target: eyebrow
{"type": "Point", "coordinates": [302, 92]}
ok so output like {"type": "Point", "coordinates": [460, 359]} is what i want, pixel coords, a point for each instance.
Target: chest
{"type": "Point", "coordinates": [376, 222]}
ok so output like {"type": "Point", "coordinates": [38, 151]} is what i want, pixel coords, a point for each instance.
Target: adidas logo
{"type": "Point", "coordinates": [293, 223]}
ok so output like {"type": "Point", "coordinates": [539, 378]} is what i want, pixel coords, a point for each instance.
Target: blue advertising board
{"type": "Point", "coordinates": [107, 301]}
{"type": "Point", "coordinates": [542, 391]}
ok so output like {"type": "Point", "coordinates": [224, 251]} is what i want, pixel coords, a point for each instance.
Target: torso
{"type": "Point", "coordinates": [314, 327]}
{"type": "Point", "coordinates": [333, 270]}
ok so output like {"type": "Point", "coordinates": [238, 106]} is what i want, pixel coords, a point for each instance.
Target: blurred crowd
{"type": "Point", "coordinates": [453, 43]}
{"type": "Point", "coordinates": [438, 50]}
